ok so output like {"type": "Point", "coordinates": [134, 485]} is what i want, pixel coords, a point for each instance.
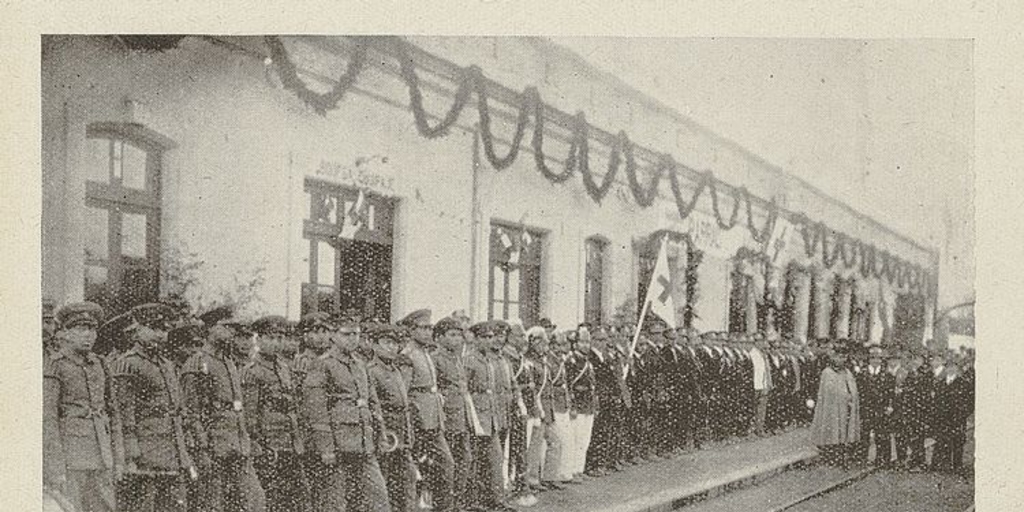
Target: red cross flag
{"type": "Point", "coordinates": [659, 297]}
{"type": "Point", "coordinates": [659, 291]}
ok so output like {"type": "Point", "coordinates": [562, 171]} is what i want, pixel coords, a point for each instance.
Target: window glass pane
{"type": "Point", "coordinates": [133, 167]}
{"type": "Point", "coordinates": [325, 263]}
{"type": "Point", "coordinates": [513, 311]}
{"type": "Point", "coordinates": [96, 234]}
{"type": "Point", "coordinates": [513, 285]}
{"type": "Point", "coordinates": [371, 212]}
{"type": "Point", "coordinates": [499, 284]}
{"type": "Point", "coordinates": [96, 159]}
{"type": "Point", "coordinates": [133, 235]}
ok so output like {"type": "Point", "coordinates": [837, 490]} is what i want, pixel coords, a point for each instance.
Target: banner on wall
{"type": "Point", "coordinates": [780, 240]}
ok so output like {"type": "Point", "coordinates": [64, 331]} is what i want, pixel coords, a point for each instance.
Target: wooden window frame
{"type": "Point", "coordinates": [118, 200]}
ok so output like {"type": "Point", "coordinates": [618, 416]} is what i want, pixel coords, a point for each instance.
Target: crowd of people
{"type": "Point", "coordinates": [895, 404]}
{"type": "Point", "coordinates": [156, 409]}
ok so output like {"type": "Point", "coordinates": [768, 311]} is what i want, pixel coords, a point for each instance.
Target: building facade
{"type": "Point", "coordinates": [200, 166]}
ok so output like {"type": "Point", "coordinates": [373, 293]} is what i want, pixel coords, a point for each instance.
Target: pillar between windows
{"type": "Point", "coordinates": [843, 313]}
{"type": "Point", "coordinates": [823, 282]}
{"type": "Point", "coordinates": [802, 303]}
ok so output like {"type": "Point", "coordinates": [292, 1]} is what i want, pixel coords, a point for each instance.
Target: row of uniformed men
{"type": "Point", "coordinates": [179, 424]}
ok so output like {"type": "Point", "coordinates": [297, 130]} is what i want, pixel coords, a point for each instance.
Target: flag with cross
{"type": "Point", "coordinates": [659, 296]}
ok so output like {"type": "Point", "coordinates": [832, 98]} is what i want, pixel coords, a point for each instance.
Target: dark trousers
{"type": "Point", "coordinates": [915, 442]}
{"type": "Point", "coordinates": [353, 484]}
{"type": "Point", "coordinates": [948, 454]}
{"type": "Point", "coordinates": [153, 493]}
{"type": "Point", "coordinates": [462, 456]}
{"type": "Point", "coordinates": [230, 484]}
{"type": "Point", "coordinates": [868, 425]}
{"type": "Point", "coordinates": [400, 479]}
{"type": "Point", "coordinates": [517, 451]}
{"type": "Point", "coordinates": [284, 481]}
{"type": "Point", "coordinates": [436, 466]}
{"type": "Point", "coordinates": [90, 491]}
{"type": "Point", "coordinates": [760, 410]}
{"type": "Point", "coordinates": [485, 476]}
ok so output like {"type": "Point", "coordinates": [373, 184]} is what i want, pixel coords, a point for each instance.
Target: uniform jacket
{"type": "Point", "coordinates": [148, 403]}
{"type": "Point", "coordinates": [525, 373]}
{"type": "Point", "coordinates": [76, 414]}
{"type": "Point", "coordinates": [214, 404]}
{"type": "Point", "coordinates": [271, 403]}
{"type": "Point", "coordinates": [554, 395]}
{"type": "Point", "coordinates": [482, 382]}
{"type": "Point", "coordinates": [877, 392]}
{"type": "Point", "coordinates": [342, 406]}
{"type": "Point", "coordinates": [505, 391]}
{"type": "Point", "coordinates": [451, 382]}
{"type": "Point", "coordinates": [582, 382]}
{"type": "Point", "coordinates": [388, 382]}
{"type": "Point", "coordinates": [420, 375]}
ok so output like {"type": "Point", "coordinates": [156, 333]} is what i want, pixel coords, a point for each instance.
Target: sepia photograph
{"type": "Point", "coordinates": [403, 273]}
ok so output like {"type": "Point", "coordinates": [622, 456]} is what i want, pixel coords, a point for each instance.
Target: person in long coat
{"type": "Point", "coordinates": [836, 424]}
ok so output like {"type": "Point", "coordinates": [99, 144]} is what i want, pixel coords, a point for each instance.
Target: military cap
{"type": "Point", "coordinates": [186, 333]}
{"type": "Point", "coordinates": [376, 332]}
{"type": "Point", "coordinates": [501, 327]}
{"type": "Point", "coordinates": [271, 324]}
{"type": "Point", "coordinates": [80, 313]}
{"type": "Point", "coordinates": [225, 316]}
{"type": "Point", "coordinates": [153, 315]}
{"type": "Point", "coordinates": [416, 318]}
{"type": "Point", "coordinates": [483, 329]}
{"type": "Point", "coordinates": [655, 326]}
{"type": "Point", "coordinates": [319, 321]}
{"type": "Point", "coordinates": [546, 323]}
{"type": "Point", "coordinates": [446, 324]}
{"type": "Point", "coordinates": [48, 309]}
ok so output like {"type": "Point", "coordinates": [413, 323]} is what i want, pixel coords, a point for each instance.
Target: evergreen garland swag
{"type": "Point", "coordinates": [470, 80]}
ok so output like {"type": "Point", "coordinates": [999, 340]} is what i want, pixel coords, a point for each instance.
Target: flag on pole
{"type": "Point", "coordinates": [356, 217]}
{"type": "Point", "coordinates": [659, 290]}
{"type": "Point", "coordinates": [658, 300]}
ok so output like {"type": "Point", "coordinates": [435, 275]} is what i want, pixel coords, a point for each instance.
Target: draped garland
{"type": "Point", "coordinates": [470, 80]}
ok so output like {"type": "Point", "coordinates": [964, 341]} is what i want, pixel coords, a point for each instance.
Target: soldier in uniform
{"type": "Point", "coordinates": [148, 402]}
{"type": "Point", "coordinates": [212, 386]}
{"type": "Point", "coordinates": [387, 380]}
{"type": "Point", "coordinates": [315, 330]}
{"type": "Point", "coordinates": [347, 427]}
{"type": "Point", "coordinates": [520, 420]}
{"type": "Point", "coordinates": [430, 448]}
{"type": "Point", "coordinates": [583, 390]}
{"type": "Point", "coordinates": [482, 383]}
{"type": "Point", "coordinates": [613, 397]}
{"type": "Point", "coordinates": [271, 402]}
{"type": "Point", "coordinates": [76, 416]}
{"type": "Point", "coordinates": [458, 405]}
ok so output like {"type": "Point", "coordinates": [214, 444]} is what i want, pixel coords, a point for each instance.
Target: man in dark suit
{"type": "Point", "coordinates": [953, 405]}
{"type": "Point", "coordinates": [877, 389]}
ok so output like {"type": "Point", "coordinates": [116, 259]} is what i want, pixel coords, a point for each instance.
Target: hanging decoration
{"type": "Point", "coordinates": [470, 80]}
